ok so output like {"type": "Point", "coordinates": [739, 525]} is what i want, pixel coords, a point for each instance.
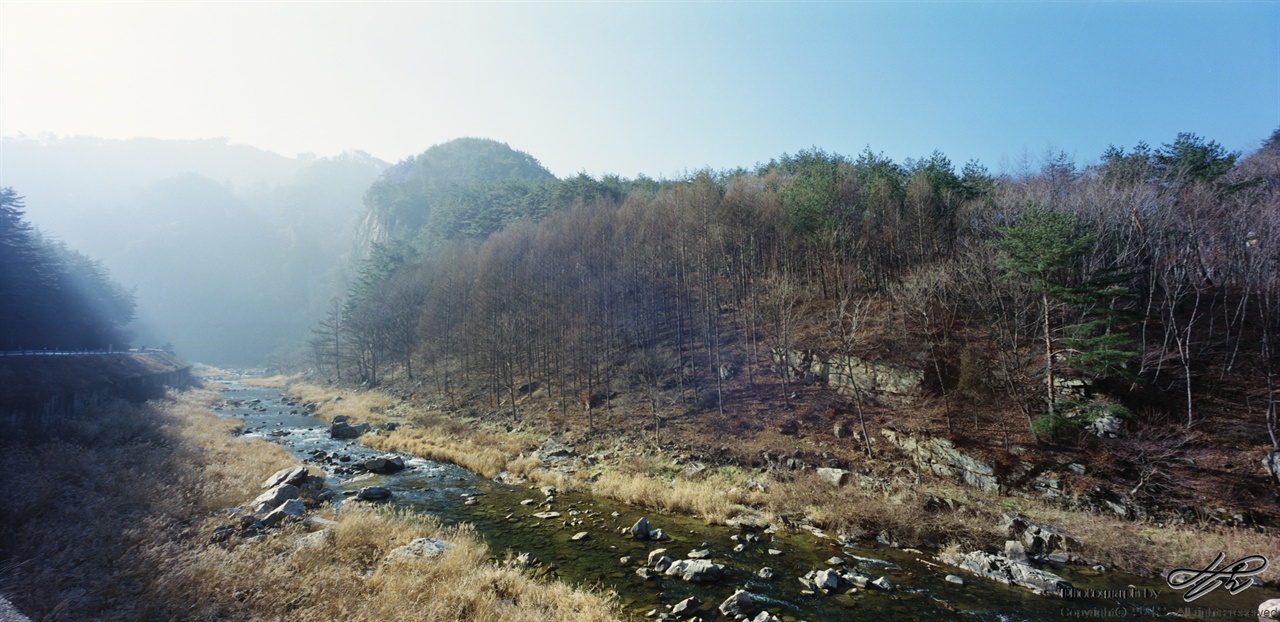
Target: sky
{"type": "Point", "coordinates": [655, 88]}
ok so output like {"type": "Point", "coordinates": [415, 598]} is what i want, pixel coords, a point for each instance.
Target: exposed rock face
{"type": "Point", "coordinates": [553, 451]}
{"type": "Point", "coordinates": [940, 456]}
{"type": "Point", "coordinates": [421, 548]}
{"type": "Point", "coordinates": [1037, 538]}
{"type": "Point", "coordinates": [1272, 464]}
{"type": "Point", "coordinates": [696, 570]}
{"type": "Point", "coordinates": [1007, 571]}
{"type": "Point", "coordinates": [835, 477]}
{"type": "Point", "coordinates": [292, 475]}
{"type": "Point", "coordinates": [1106, 426]}
{"type": "Point", "coordinates": [846, 373]}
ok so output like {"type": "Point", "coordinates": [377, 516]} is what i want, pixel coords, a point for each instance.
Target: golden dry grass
{"type": "Point", "coordinates": [108, 517]}
{"type": "Point", "coordinates": [1147, 548]}
{"type": "Point", "coordinates": [278, 381]}
{"type": "Point", "coordinates": [368, 406]}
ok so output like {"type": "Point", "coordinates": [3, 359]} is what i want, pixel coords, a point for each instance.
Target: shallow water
{"type": "Point", "coordinates": [507, 525]}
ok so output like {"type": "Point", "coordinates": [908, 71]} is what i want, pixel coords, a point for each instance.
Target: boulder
{"type": "Point", "coordinates": [641, 530]}
{"type": "Point", "coordinates": [347, 430]}
{"type": "Point", "coordinates": [696, 570]}
{"type": "Point", "coordinates": [954, 579]}
{"type": "Point", "coordinates": [313, 541]}
{"type": "Point", "coordinates": [373, 493]}
{"type": "Point", "coordinates": [384, 464]}
{"type": "Point", "coordinates": [272, 499]}
{"type": "Point", "coordinates": [741, 603]}
{"type": "Point", "coordinates": [291, 507]}
{"type": "Point", "coordinates": [581, 535]}
{"type": "Point", "coordinates": [646, 573]}
{"type": "Point", "coordinates": [765, 616]}
{"type": "Point", "coordinates": [292, 475]}
{"type": "Point", "coordinates": [686, 606]}
{"type": "Point", "coordinates": [883, 583]}
{"type": "Point", "coordinates": [340, 419]}
{"type": "Point", "coordinates": [655, 555]}
{"type": "Point", "coordinates": [420, 548]}
{"type": "Point", "coordinates": [765, 573]}
{"type": "Point", "coordinates": [1269, 610]}
{"type": "Point", "coordinates": [699, 554]}
{"type": "Point", "coordinates": [835, 477]}
{"type": "Point", "coordinates": [545, 515]}
{"type": "Point", "coordinates": [827, 580]}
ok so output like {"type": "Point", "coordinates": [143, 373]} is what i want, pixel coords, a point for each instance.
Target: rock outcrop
{"type": "Point", "coordinates": [940, 457]}
{"type": "Point", "coordinates": [1007, 571]}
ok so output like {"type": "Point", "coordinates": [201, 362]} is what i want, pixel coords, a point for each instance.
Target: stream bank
{"type": "Point", "coordinates": [522, 524]}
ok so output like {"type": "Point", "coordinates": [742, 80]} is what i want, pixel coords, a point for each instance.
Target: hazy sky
{"type": "Point", "coordinates": [654, 88]}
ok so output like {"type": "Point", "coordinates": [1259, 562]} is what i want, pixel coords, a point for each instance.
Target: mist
{"type": "Point", "coordinates": [232, 252]}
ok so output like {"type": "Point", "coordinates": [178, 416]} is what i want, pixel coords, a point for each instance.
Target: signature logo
{"type": "Point", "coordinates": [1234, 576]}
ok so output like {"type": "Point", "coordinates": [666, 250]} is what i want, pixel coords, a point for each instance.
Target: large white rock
{"type": "Point", "coordinates": [292, 475]}
{"type": "Point", "coordinates": [1269, 610]}
{"type": "Point", "coordinates": [421, 548]}
{"type": "Point", "coordinates": [272, 499]}
{"type": "Point", "coordinates": [835, 477]}
{"type": "Point", "coordinates": [696, 570]}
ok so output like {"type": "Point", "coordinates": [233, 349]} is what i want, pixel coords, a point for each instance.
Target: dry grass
{"type": "Point", "coordinates": [1151, 549]}
{"type": "Point", "coordinates": [108, 518]}
{"type": "Point", "coordinates": [278, 381]}
{"type": "Point", "coordinates": [369, 406]}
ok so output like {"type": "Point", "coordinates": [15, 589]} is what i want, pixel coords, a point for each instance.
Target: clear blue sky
{"type": "Point", "coordinates": [654, 88]}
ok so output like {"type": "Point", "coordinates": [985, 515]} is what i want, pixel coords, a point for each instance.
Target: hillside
{"type": "Point", "coordinates": [1096, 336]}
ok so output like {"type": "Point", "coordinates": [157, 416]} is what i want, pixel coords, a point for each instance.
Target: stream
{"type": "Point", "coordinates": [456, 495]}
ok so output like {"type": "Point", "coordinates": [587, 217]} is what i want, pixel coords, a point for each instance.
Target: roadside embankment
{"type": "Point", "coordinates": [37, 389]}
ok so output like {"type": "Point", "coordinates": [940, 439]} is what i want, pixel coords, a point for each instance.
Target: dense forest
{"type": "Point", "coordinates": [52, 297]}
{"type": "Point", "coordinates": [1145, 285]}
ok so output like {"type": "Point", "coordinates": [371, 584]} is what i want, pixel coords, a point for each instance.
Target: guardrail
{"type": "Point", "coordinates": [75, 352]}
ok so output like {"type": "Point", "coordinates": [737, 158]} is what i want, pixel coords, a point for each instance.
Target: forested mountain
{"type": "Point", "coordinates": [52, 297]}
{"type": "Point", "coordinates": [468, 188]}
{"type": "Point", "coordinates": [233, 252]}
{"type": "Point", "coordinates": [1145, 286]}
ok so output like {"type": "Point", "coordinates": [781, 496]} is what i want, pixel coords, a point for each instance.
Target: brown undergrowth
{"type": "Point", "coordinates": [109, 516]}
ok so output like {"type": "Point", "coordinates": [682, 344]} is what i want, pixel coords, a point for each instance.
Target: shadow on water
{"type": "Point", "coordinates": [504, 516]}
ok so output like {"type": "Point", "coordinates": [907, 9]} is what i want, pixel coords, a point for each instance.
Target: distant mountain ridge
{"type": "Point", "coordinates": [234, 251]}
